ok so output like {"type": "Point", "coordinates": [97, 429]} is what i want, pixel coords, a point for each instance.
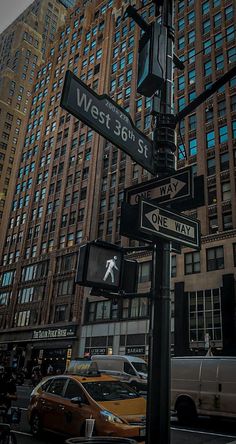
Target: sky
{"type": "Point", "coordinates": [10, 10]}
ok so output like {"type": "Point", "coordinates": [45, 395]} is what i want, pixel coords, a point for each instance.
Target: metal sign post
{"type": "Point", "coordinates": [158, 400]}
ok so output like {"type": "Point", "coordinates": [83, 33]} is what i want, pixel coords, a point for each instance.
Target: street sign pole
{"type": "Point", "coordinates": [158, 401]}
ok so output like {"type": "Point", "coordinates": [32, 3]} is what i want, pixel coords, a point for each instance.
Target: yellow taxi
{"type": "Point", "coordinates": [62, 404]}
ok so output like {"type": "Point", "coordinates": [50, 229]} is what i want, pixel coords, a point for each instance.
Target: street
{"type": "Point", "coordinates": [204, 432]}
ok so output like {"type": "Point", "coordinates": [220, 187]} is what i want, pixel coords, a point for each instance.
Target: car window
{"type": "Point", "coordinates": [45, 385]}
{"type": "Point", "coordinates": [56, 386]}
{"type": "Point", "coordinates": [73, 390]}
{"type": "Point", "coordinates": [109, 391]}
{"type": "Point", "coordinates": [141, 367]}
{"type": "Point", "coordinates": [129, 369]}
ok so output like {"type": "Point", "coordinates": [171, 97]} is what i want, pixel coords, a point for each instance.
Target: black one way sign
{"type": "Point", "coordinates": [170, 225]}
{"type": "Point", "coordinates": [170, 189]}
{"type": "Point", "coordinates": [107, 118]}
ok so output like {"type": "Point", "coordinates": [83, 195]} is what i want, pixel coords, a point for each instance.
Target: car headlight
{"type": "Point", "coordinates": [110, 417]}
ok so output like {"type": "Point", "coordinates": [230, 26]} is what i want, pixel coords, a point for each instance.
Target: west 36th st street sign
{"type": "Point", "coordinates": [170, 225]}
{"type": "Point", "coordinates": [108, 119]}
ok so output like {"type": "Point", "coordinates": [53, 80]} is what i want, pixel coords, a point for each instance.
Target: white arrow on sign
{"type": "Point", "coordinates": [168, 189]}
{"type": "Point", "coordinates": [160, 221]}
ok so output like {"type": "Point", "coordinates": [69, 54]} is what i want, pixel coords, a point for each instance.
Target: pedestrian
{"type": "Point", "coordinates": [7, 387]}
{"type": "Point", "coordinates": [36, 375]}
{"type": "Point", "coordinates": [50, 369]}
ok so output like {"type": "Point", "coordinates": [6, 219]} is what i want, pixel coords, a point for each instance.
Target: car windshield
{"type": "Point", "coordinates": [109, 391]}
{"type": "Point", "coordinates": [140, 367]}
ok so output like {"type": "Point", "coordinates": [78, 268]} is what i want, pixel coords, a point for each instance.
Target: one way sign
{"type": "Point", "coordinates": [170, 225]}
{"type": "Point", "coordinates": [171, 189]}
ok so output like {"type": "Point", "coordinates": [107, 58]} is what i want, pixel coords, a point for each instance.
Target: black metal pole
{"type": "Point", "coordinates": [158, 400]}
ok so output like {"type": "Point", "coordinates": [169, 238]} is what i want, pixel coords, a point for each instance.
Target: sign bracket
{"type": "Point", "coordinates": [123, 294]}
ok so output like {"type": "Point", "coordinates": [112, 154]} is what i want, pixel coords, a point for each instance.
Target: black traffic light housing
{"type": "Point", "coordinates": [152, 60]}
{"type": "Point", "coordinates": [152, 54]}
{"type": "Point", "coordinates": [102, 265]}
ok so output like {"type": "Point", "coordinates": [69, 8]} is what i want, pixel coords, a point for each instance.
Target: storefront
{"type": "Point", "coordinates": [39, 347]}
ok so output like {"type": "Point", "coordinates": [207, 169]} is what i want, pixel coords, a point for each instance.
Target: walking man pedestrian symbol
{"type": "Point", "coordinates": [110, 266]}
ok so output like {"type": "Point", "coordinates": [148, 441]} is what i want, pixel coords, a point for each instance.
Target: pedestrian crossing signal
{"type": "Point", "coordinates": [102, 265]}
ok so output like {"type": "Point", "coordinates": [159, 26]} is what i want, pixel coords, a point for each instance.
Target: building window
{"type": "Point", "coordinates": [212, 197]}
{"type": "Point", "coordinates": [103, 310]}
{"type": "Point", "coordinates": [229, 13]}
{"type": "Point", "coordinates": [192, 263]}
{"type": "Point", "coordinates": [206, 26]}
{"type": "Point", "coordinates": [181, 83]}
{"type": "Point", "coordinates": [207, 68]}
{"type": "Point", "coordinates": [205, 7]}
{"type": "Point", "coordinates": [181, 43]}
{"type": "Point", "coordinates": [223, 134]}
{"type": "Point", "coordinates": [60, 313]}
{"type": "Point", "coordinates": [181, 24]}
{"type": "Point", "coordinates": [215, 258]}
{"type": "Point", "coordinates": [207, 47]}
{"type": "Point", "coordinates": [224, 161]}
{"type": "Point", "coordinates": [145, 272]}
{"type": "Point", "coordinates": [209, 114]}
{"type": "Point", "coordinates": [7, 278]}
{"type": "Point", "coordinates": [221, 108]}
{"type": "Point", "coordinates": [234, 254]}
{"type": "Point", "coordinates": [191, 56]}
{"type": "Point", "coordinates": [213, 224]}
{"type": "Point", "coordinates": [211, 166]}
{"type": "Point", "coordinates": [138, 307]}
{"type": "Point", "coordinates": [234, 129]}
{"type": "Point", "coordinates": [227, 221]}
{"type": "Point", "coordinates": [210, 139]}
{"type": "Point", "coordinates": [218, 40]}
{"type": "Point", "coordinates": [191, 37]}
{"type": "Point", "coordinates": [191, 17]}
{"type": "Point", "coordinates": [173, 265]}
{"type": "Point", "coordinates": [230, 33]}
{"type": "Point", "coordinates": [225, 191]}
{"type": "Point", "coordinates": [217, 20]}
{"type": "Point", "coordinates": [192, 147]}
{"type": "Point", "coordinates": [233, 103]}
{"type": "Point", "coordinates": [181, 103]}
{"type": "Point", "coordinates": [204, 317]}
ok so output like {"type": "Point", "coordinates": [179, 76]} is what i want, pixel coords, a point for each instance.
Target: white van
{"type": "Point", "coordinates": [127, 368]}
{"type": "Point", "coordinates": [203, 386]}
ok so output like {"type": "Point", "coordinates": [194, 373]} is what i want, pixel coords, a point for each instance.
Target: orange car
{"type": "Point", "coordinates": [62, 403]}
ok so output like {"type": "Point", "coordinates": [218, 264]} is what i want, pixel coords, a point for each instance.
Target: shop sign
{"type": "Point", "coordinates": [52, 333]}
{"type": "Point", "coordinates": [135, 350]}
{"type": "Point", "coordinates": [98, 351]}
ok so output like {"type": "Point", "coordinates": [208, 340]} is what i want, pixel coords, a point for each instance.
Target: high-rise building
{"type": "Point", "coordinates": [23, 46]}
{"type": "Point", "coordinates": [69, 188]}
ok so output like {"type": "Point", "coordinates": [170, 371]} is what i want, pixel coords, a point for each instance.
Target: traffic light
{"type": "Point", "coordinates": [152, 60]}
{"type": "Point", "coordinates": [102, 265]}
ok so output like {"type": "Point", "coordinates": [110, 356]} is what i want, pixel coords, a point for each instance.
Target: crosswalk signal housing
{"type": "Point", "coordinates": [103, 266]}
{"type": "Point", "coordinates": [100, 266]}
{"type": "Point", "coordinates": [152, 60]}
